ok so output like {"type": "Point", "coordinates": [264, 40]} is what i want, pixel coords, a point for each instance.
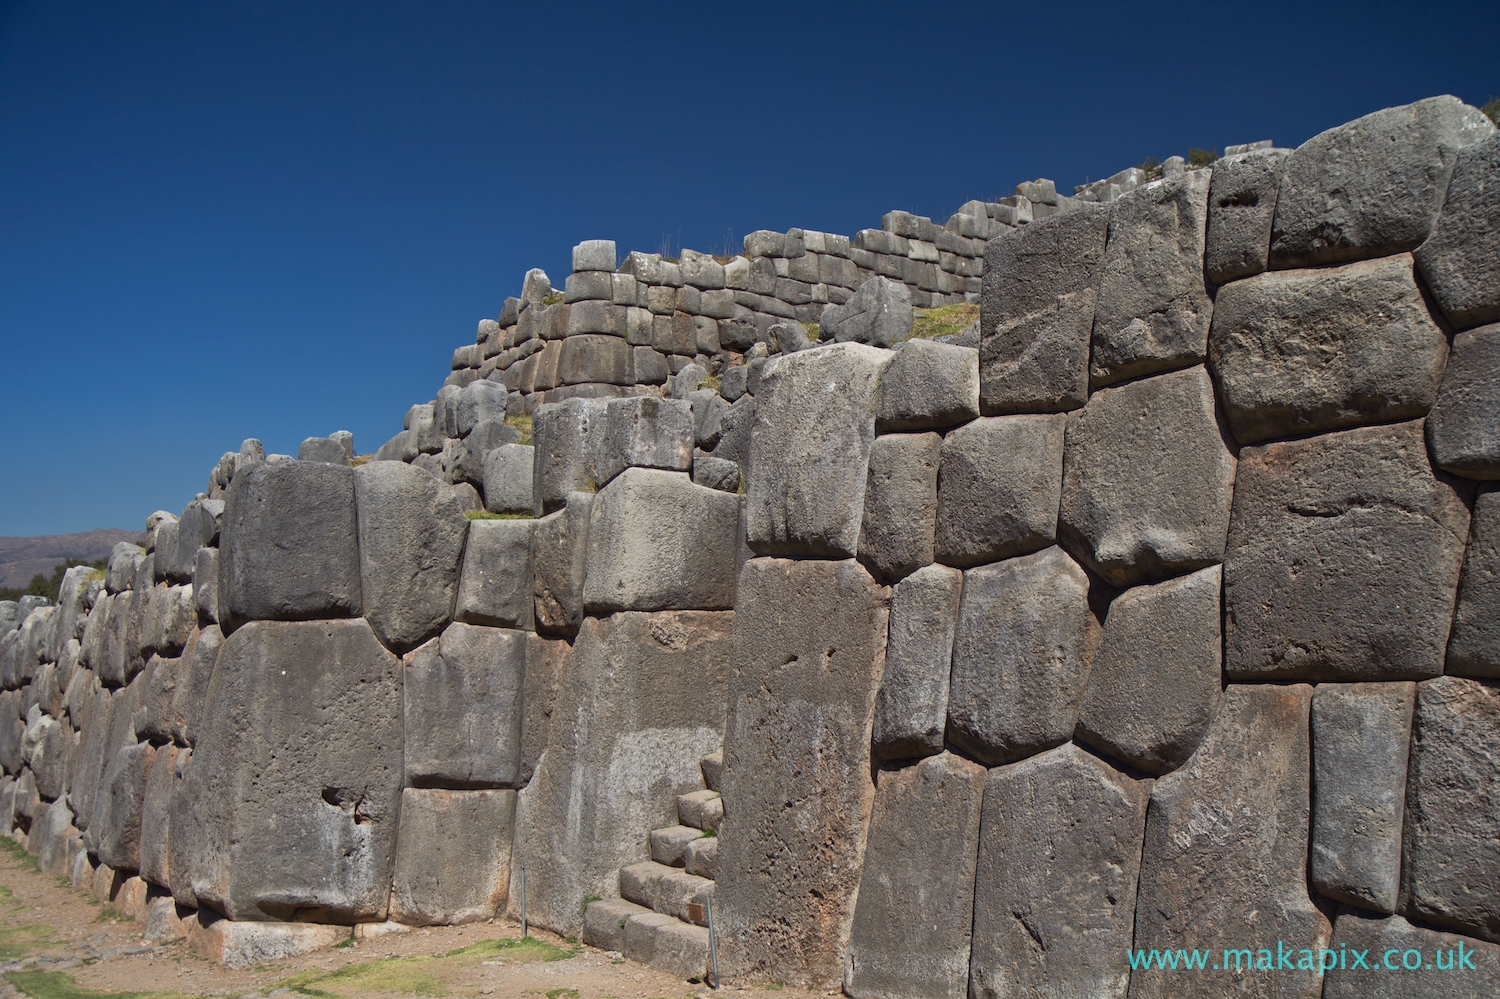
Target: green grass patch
{"type": "Point", "coordinates": [17, 942]}
{"type": "Point", "coordinates": [945, 320]}
{"type": "Point", "coordinates": [415, 975]}
{"type": "Point", "coordinates": [523, 424]}
{"type": "Point", "coordinates": [486, 515]}
{"type": "Point", "coordinates": [19, 852]}
{"type": "Point", "coordinates": [559, 993]}
{"type": "Point", "coordinates": [60, 985]}
{"type": "Point", "coordinates": [814, 333]}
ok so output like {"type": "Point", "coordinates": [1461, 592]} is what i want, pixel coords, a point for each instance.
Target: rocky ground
{"type": "Point", "coordinates": [57, 943]}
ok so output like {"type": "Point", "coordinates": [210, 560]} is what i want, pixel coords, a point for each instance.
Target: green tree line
{"type": "Point", "coordinates": [44, 586]}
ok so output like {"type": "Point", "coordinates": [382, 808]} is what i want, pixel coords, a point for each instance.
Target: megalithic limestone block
{"type": "Point", "coordinates": [1373, 186]}
{"type": "Point", "coordinates": [299, 760]}
{"type": "Point", "coordinates": [1461, 428]}
{"type": "Point", "coordinates": [1452, 967]}
{"type": "Point", "coordinates": [912, 706]}
{"type": "Point", "coordinates": [559, 556]}
{"type": "Point", "coordinates": [810, 450]}
{"type": "Point", "coordinates": [494, 587]}
{"type": "Point", "coordinates": [1343, 558]}
{"type": "Point", "coordinates": [411, 542]}
{"type": "Point", "coordinates": [1241, 205]}
{"type": "Point", "coordinates": [1474, 645]}
{"type": "Point", "coordinates": [999, 488]}
{"type": "Point", "coordinates": [1461, 259]}
{"type": "Point", "coordinates": [1054, 898]}
{"type": "Point", "coordinates": [642, 702]}
{"type": "Point", "coordinates": [1041, 284]}
{"type": "Point", "coordinates": [546, 666]}
{"type": "Point", "coordinates": [1224, 864]}
{"type": "Point", "coordinates": [916, 893]}
{"type": "Point", "coordinates": [929, 386]}
{"type": "Point", "coordinates": [900, 516]}
{"type": "Point", "coordinates": [289, 548]}
{"type": "Point", "coordinates": [462, 693]}
{"type": "Point", "coordinates": [809, 648]}
{"type": "Point", "coordinates": [452, 856]}
{"type": "Point", "coordinates": [567, 436]}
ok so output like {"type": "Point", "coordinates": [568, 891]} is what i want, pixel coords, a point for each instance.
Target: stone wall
{"type": "Point", "coordinates": [1161, 619]}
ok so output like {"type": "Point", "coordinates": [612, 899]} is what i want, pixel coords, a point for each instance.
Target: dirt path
{"type": "Point", "coordinates": [58, 943]}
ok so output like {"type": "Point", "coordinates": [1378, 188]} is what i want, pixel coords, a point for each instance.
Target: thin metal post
{"type": "Point", "coordinates": [523, 905]}
{"type": "Point", "coordinates": [713, 950]}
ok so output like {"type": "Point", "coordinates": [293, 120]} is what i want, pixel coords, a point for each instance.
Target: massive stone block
{"type": "Point", "coordinates": [1343, 559]}
{"type": "Point", "coordinates": [1451, 875]}
{"type": "Point", "coordinates": [546, 665]}
{"type": "Point", "coordinates": [659, 542]}
{"type": "Point", "coordinates": [1461, 429]}
{"type": "Point", "coordinates": [1299, 352]}
{"type": "Point", "coordinates": [916, 895]}
{"type": "Point", "coordinates": [1054, 897]}
{"type": "Point", "coordinates": [191, 695]}
{"type": "Point", "coordinates": [595, 358]}
{"type": "Point", "coordinates": [117, 819]}
{"type": "Point", "coordinates": [559, 555]}
{"type": "Point", "coordinates": [566, 436]}
{"type": "Point", "coordinates": [644, 700]}
{"type": "Point", "coordinates": [452, 856]}
{"type": "Point", "coordinates": [462, 693]}
{"type": "Point", "coordinates": [296, 779]}
{"type": "Point", "coordinates": [1451, 967]}
{"type": "Point", "coordinates": [879, 313]}
{"type": "Point", "coordinates": [1373, 186]}
{"type": "Point", "coordinates": [1148, 475]}
{"type": "Point", "coordinates": [1461, 259]}
{"type": "Point", "coordinates": [1474, 646]}
{"type": "Point", "coordinates": [289, 548]}
{"type": "Point", "coordinates": [645, 432]}
{"type": "Point", "coordinates": [1360, 734]}
{"type": "Point", "coordinates": [999, 488]}
{"type": "Point", "coordinates": [928, 386]}
{"type": "Point", "coordinates": [1154, 309]}
{"type": "Point", "coordinates": [508, 486]}
{"type": "Point", "coordinates": [896, 534]}
{"type": "Point", "coordinates": [411, 540]}
{"type": "Point", "coordinates": [494, 586]}
{"type": "Point", "coordinates": [1241, 205]}
{"type": "Point", "coordinates": [911, 709]}
{"type": "Point", "coordinates": [810, 450]}
{"type": "Point", "coordinates": [1153, 687]}
{"type": "Point", "coordinates": [156, 818]}
{"type": "Point", "coordinates": [1224, 865]}
{"type": "Point", "coordinates": [1041, 283]}
{"type": "Point", "coordinates": [809, 646]}
{"type": "Point", "coordinates": [1021, 655]}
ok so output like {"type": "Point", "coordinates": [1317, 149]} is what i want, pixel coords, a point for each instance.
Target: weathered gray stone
{"type": "Point", "coordinates": [289, 547]}
{"type": "Point", "coordinates": [1461, 259]}
{"type": "Point", "coordinates": [299, 759]}
{"type": "Point", "coordinates": [452, 856]}
{"type": "Point", "coordinates": [595, 358]}
{"type": "Point", "coordinates": [1021, 655]}
{"type": "Point", "coordinates": [1474, 646]}
{"type": "Point", "coordinates": [463, 708]}
{"type": "Point", "coordinates": [1450, 967]}
{"type": "Point", "coordinates": [1360, 734]}
{"type": "Point", "coordinates": [1153, 687]}
{"type": "Point", "coordinates": [48, 838]}
{"type": "Point", "coordinates": [1300, 352]}
{"type": "Point", "coordinates": [411, 540]}
{"type": "Point", "coordinates": [559, 556]}
{"type": "Point", "coordinates": [708, 410]}
{"type": "Point", "coordinates": [1451, 874]}
{"type": "Point", "coordinates": [199, 657]}
{"type": "Point", "coordinates": [1148, 477]}
{"type": "Point", "coordinates": [928, 386]}
{"type": "Point", "coordinates": [643, 701]}
{"type": "Point", "coordinates": [480, 401]}
{"type": "Point", "coordinates": [164, 548]}
{"type": "Point", "coordinates": [1461, 429]}
{"type": "Point", "coordinates": [1373, 186]}
{"type": "Point", "coordinates": [916, 903]}
{"type": "Point", "coordinates": [1154, 309]}
{"type": "Point", "coordinates": [122, 566]}
{"type": "Point", "coordinates": [1241, 205]}
{"type": "Point", "coordinates": [649, 366]}
{"type": "Point", "coordinates": [1041, 284]}
{"type": "Point", "coordinates": [508, 486]}
{"type": "Point", "coordinates": [122, 658]}
{"type": "Point", "coordinates": [1055, 891]}
{"type": "Point", "coordinates": [716, 473]}
{"type": "Point", "coordinates": [240, 944]}
{"type": "Point", "coordinates": [324, 449]}
{"type": "Point", "coordinates": [736, 426]}
{"type": "Point", "coordinates": [593, 255]}
{"type": "Point", "coordinates": [686, 560]}
{"type": "Point", "coordinates": [494, 587]}
{"type": "Point", "coordinates": [1343, 559]}
{"type": "Point", "coordinates": [566, 436]}
{"type": "Point", "coordinates": [998, 489]}
{"type": "Point", "coordinates": [879, 313]}
{"type": "Point", "coordinates": [206, 584]}
{"type": "Point", "coordinates": [546, 663]}
{"type": "Point", "coordinates": [809, 641]}
{"type": "Point", "coordinates": [182, 832]}
{"type": "Point", "coordinates": [1224, 865]}
{"type": "Point", "coordinates": [911, 708]}
{"type": "Point", "coordinates": [814, 426]}
{"type": "Point", "coordinates": [117, 819]}
{"type": "Point", "coordinates": [644, 432]}
{"type": "Point", "coordinates": [896, 533]}
{"type": "Point", "coordinates": [156, 819]}
{"type": "Point", "coordinates": [53, 745]}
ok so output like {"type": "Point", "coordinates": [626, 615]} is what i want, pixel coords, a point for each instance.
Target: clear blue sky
{"type": "Point", "coordinates": [224, 220]}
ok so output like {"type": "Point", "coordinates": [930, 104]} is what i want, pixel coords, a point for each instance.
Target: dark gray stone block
{"type": "Point", "coordinates": [462, 693]}
{"type": "Point", "coordinates": [999, 488]}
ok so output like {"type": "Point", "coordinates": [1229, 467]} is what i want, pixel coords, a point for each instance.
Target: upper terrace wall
{"type": "Point", "coordinates": [1161, 620]}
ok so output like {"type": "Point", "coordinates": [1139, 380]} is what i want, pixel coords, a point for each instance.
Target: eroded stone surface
{"type": "Point", "coordinates": [999, 488]}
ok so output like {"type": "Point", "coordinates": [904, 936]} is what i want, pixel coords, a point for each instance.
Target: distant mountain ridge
{"type": "Point", "coordinates": [22, 558]}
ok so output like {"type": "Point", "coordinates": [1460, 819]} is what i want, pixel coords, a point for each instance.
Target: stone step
{"type": "Point", "coordinates": [713, 768]}
{"type": "Point", "coordinates": [668, 845]}
{"type": "Point", "coordinates": [667, 945]}
{"type": "Point", "coordinates": [667, 890]}
{"type": "Point", "coordinates": [604, 922]}
{"type": "Point", "coordinates": [700, 809]}
{"type": "Point", "coordinates": [701, 857]}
